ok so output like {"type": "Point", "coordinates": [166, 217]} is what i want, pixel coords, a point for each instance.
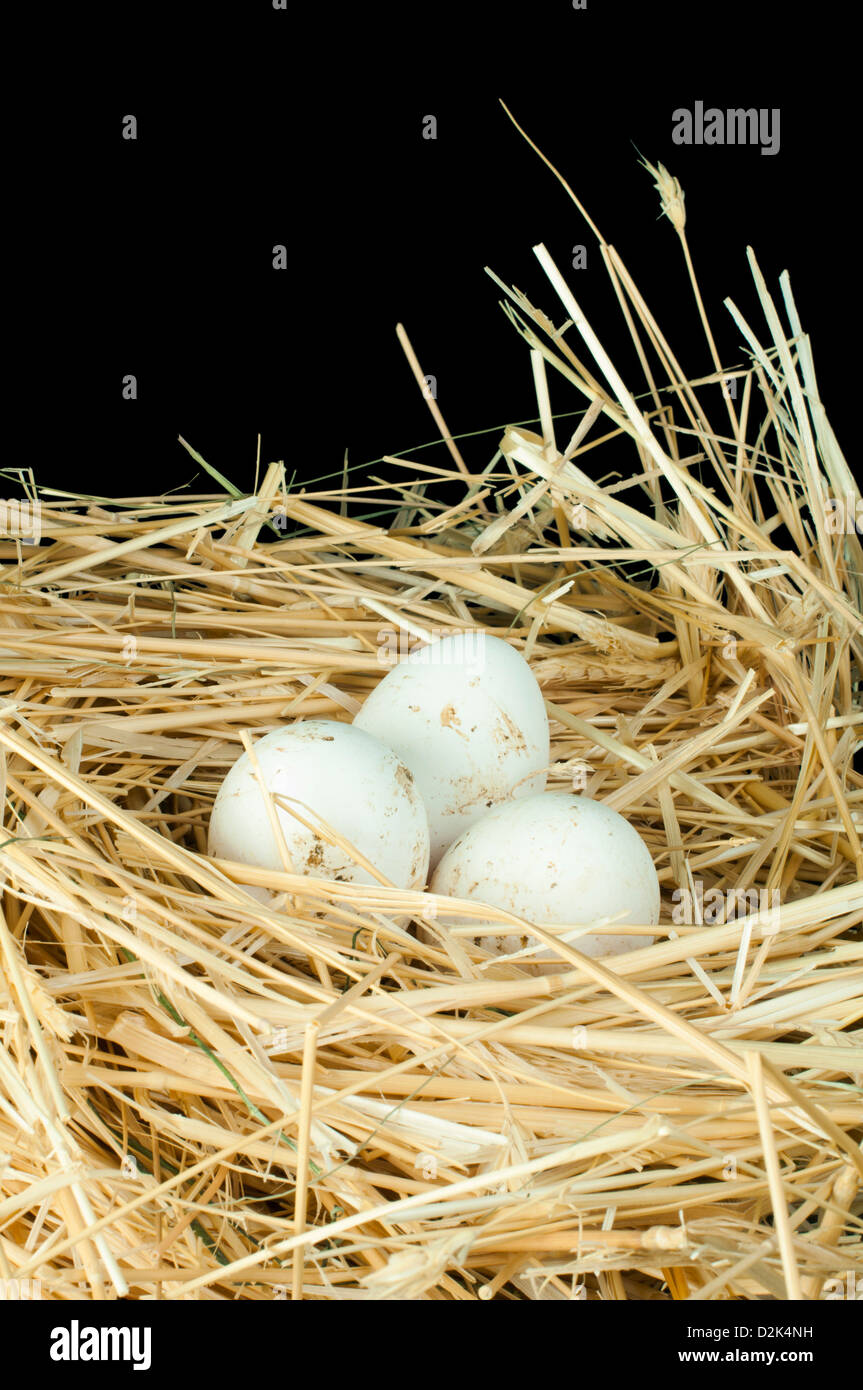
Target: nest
{"type": "Point", "coordinates": [328, 1096]}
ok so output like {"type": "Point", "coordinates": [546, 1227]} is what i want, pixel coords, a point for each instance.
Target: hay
{"type": "Point", "coordinates": [205, 1097]}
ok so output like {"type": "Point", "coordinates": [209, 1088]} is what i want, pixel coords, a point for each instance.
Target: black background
{"type": "Point", "coordinates": [258, 127]}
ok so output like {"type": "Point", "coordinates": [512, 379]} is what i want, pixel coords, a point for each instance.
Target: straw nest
{"type": "Point", "coordinates": [205, 1097]}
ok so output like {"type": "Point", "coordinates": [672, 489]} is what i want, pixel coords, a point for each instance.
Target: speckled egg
{"type": "Point", "coordinates": [466, 715]}
{"type": "Point", "coordinates": [329, 772]}
{"type": "Point", "coordinates": [554, 859]}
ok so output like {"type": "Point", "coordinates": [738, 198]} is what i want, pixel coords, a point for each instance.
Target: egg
{"type": "Point", "coordinates": [466, 715]}
{"type": "Point", "coordinates": [332, 772]}
{"type": "Point", "coordinates": [554, 859]}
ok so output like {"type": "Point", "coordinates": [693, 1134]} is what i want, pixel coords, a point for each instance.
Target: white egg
{"type": "Point", "coordinates": [467, 716]}
{"type": "Point", "coordinates": [554, 859]}
{"type": "Point", "coordinates": [329, 772]}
